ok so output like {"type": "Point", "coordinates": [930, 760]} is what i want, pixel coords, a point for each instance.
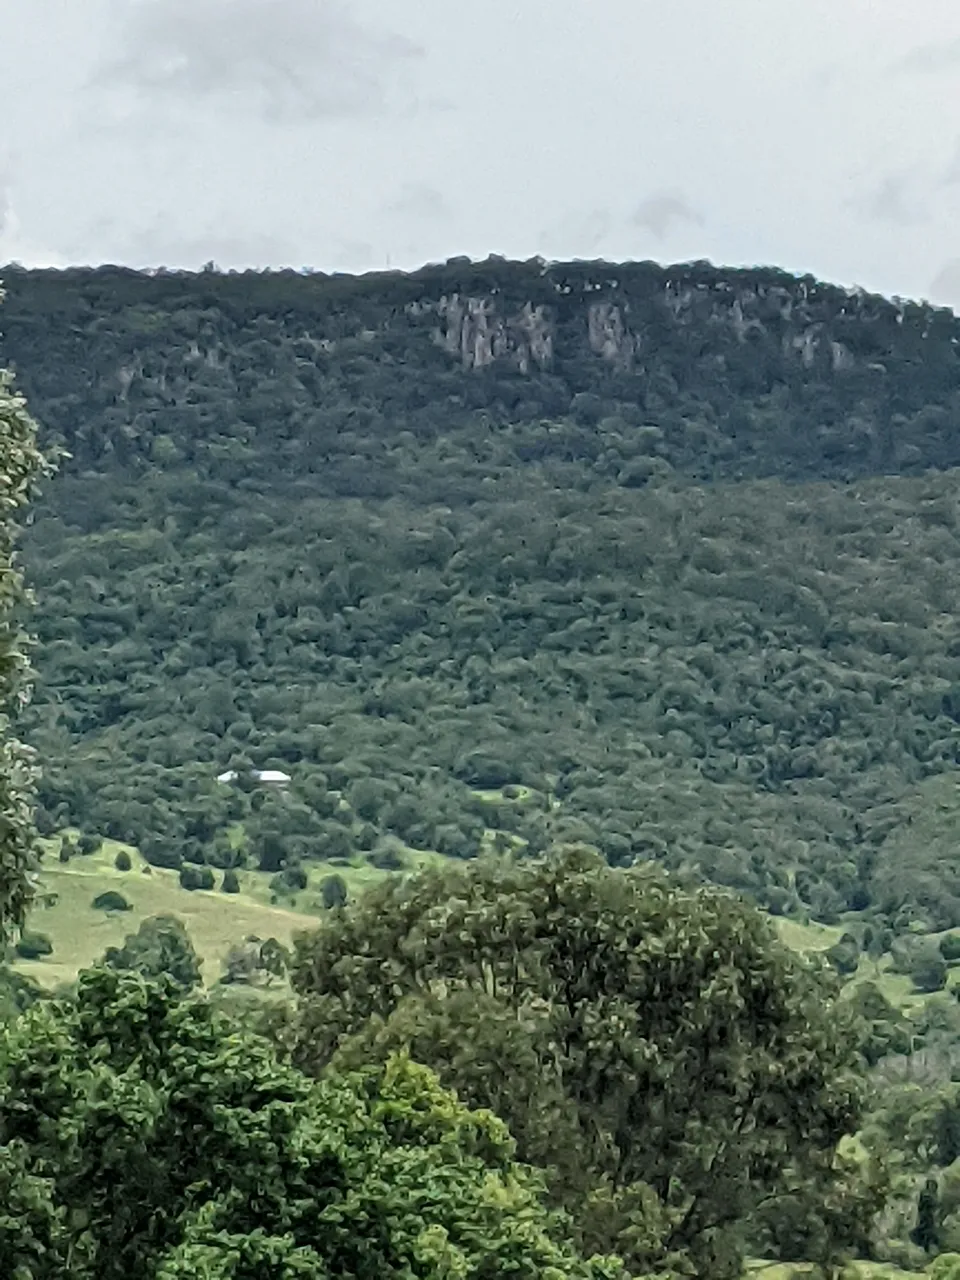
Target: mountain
{"type": "Point", "coordinates": [662, 558]}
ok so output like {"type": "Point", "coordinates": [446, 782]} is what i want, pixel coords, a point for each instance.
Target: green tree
{"type": "Point", "coordinates": [32, 945]}
{"type": "Point", "coordinates": [655, 1048]}
{"type": "Point", "coordinates": [111, 900]}
{"type": "Point", "coordinates": [176, 1146]}
{"type": "Point", "coordinates": [161, 946]}
{"type": "Point", "coordinates": [21, 466]}
{"type": "Point", "coordinates": [333, 891]}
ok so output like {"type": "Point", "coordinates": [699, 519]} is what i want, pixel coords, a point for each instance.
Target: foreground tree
{"type": "Point", "coordinates": [160, 947]}
{"type": "Point", "coordinates": [21, 465]}
{"type": "Point", "coordinates": [655, 1048]}
{"type": "Point", "coordinates": [142, 1134]}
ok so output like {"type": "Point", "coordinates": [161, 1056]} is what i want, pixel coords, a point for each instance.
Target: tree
{"type": "Point", "coordinates": [111, 900]}
{"type": "Point", "coordinates": [33, 946]}
{"type": "Point", "coordinates": [655, 1048]}
{"type": "Point", "coordinates": [926, 1233]}
{"type": "Point", "coordinates": [176, 1146]}
{"type": "Point", "coordinates": [193, 877]}
{"type": "Point", "coordinates": [333, 891]}
{"type": "Point", "coordinates": [21, 466]}
{"type": "Point", "coordinates": [161, 946]}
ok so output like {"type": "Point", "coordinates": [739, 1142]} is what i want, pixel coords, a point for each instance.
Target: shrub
{"type": "Point", "coordinates": [295, 877]}
{"type": "Point", "coordinates": [161, 945]}
{"type": "Point", "coordinates": [929, 973]}
{"type": "Point", "coordinates": [122, 861]}
{"type": "Point", "coordinates": [32, 946]}
{"type": "Point", "coordinates": [387, 857]}
{"type": "Point", "coordinates": [111, 901]}
{"type": "Point", "coordinates": [194, 877]}
{"type": "Point", "coordinates": [231, 881]}
{"type": "Point", "coordinates": [950, 947]}
{"type": "Point", "coordinates": [333, 892]}
{"type": "Point", "coordinates": [88, 844]}
{"type": "Point", "coordinates": [162, 853]}
{"type": "Point", "coordinates": [845, 954]}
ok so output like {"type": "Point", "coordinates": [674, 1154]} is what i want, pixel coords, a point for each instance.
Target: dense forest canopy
{"type": "Point", "coordinates": [658, 558]}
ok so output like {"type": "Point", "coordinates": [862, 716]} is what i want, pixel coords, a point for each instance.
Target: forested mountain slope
{"type": "Point", "coordinates": [668, 553]}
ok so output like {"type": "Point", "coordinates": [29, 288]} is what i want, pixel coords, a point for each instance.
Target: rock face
{"type": "Point", "coordinates": [614, 320]}
{"type": "Point", "coordinates": [608, 335]}
{"type": "Point", "coordinates": [473, 329]}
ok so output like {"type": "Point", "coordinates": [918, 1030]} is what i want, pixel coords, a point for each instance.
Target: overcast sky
{"type": "Point", "coordinates": [817, 135]}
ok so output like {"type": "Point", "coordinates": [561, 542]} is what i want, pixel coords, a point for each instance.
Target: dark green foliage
{"type": "Point", "coordinates": [32, 945]}
{"type": "Point", "coordinates": [161, 946]}
{"type": "Point", "coordinates": [17, 993]}
{"type": "Point", "coordinates": [176, 1146]}
{"type": "Point", "coordinates": [950, 947]}
{"type": "Point", "coordinates": [387, 857]}
{"type": "Point", "coordinates": [111, 901]}
{"type": "Point", "coordinates": [161, 852]}
{"type": "Point", "coordinates": [922, 959]}
{"type": "Point", "coordinates": [333, 891]}
{"type": "Point", "coordinates": [194, 877]}
{"type": "Point", "coordinates": [122, 861]}
{"type": "Point", "coordinates": [929, 973]}
{"type": "Point", "coordinates": [401, 580]}
{"type": "Point", "coordinates": [255, 962]}
{"type": "Point", "coordinates": [885, 1030]}
{"type": "Point", "coordinates": [230, 882]}
{"type": "Point", "coordinates": [653, 1047]}
{"type": "Point", "coordinates": [21, 466]}
{"type": "Point", "coordinates": [88, 844]}
{"type": "Point", "coordinates": [68, 848]}
{"type": "Point", "coordinates": [844, 955]}
{"type": "Point", "coordinates": [926, 1233]}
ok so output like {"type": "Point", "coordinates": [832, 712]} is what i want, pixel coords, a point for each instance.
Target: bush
{"type": "Point", "coordinates": [231, 881]}
{"type": "Point", "coordinates": [122, 861]}
{"type": "Point", "coordinates": [194, 877]}
{"type": "Point", "coordinates": [845, 954]}
{"type": "Point", "coordinates": [950, 947]}
{"type": "Point", "coordinates": [333, 892]}
{"type": "Point", "coordinates": [162, 853]}
{"type": "Point", "coordinates": [387, 857]}
{"type": "Point", "coordinates": [88, 844]}
{"type": "Point", "coordinates": [161, 945]}
{"type": "Point", "coordinates": [32, 946]}
{"type": "Point", "coordinates": [67, 849]}
{"type": "Point", "coordinates": [929, 973]}
{"type": "Point", "coordinates": [111, 901]}
{"type": "Point", "coordinates": [295, 877]}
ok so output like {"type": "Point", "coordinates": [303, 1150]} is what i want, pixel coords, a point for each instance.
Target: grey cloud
{"type": "Point", "coordinates": [420, 201]}
{"type": "Point", "coordinates": [663, 211]}
{"type": "Point", "coordinates": [890, 201]}
{"type": "Point", "coordinates": [952, 174]}
{"type": "Point", "coordinates": [929, 58]}
{"type": "Point", "coordinates": [288, 59]}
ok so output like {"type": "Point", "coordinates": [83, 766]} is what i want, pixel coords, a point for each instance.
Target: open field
{"type": "Point", "coordinates": [214, 920]}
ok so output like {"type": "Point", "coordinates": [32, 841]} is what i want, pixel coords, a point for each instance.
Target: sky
{"type": "Point", "coordinates": [352, 135]}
